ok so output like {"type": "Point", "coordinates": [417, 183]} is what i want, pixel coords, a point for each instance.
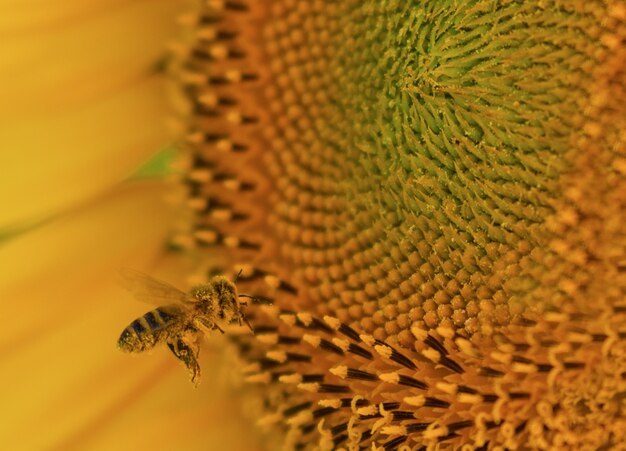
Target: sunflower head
{"type": "Point", "coordinates": [433, 196]}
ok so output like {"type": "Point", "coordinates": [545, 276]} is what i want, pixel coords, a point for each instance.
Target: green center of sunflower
{"type": "Point", "coordinates": [417, 154]}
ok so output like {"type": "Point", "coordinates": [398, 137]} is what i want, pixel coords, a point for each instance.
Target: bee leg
{"type": "Point", "coordinates": [186, 354]}
{"type": "Point", "coordinates": [209, 324]}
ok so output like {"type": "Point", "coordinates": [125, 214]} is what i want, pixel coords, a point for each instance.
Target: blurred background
{"type": "Point", "coordinates": [85, 189]}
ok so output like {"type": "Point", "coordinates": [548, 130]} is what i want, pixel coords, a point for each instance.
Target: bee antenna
{"type": "Point", "coordinates": [245, 320]}
{"type": "Point", "coordinates": [238, 274]}
{"type": "Point", "coordinates": [258, 299]}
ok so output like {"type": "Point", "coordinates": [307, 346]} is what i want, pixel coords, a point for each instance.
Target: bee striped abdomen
{"type": "Point", "coordinates": [146, 331]}
{"type": "Point", "coordinates": [154, 320]}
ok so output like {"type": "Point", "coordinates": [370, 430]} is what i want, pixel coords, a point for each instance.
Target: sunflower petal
{"type": "Point", "coordinates": [177, 416]}
{"type": "Point", "coordinates": [86, 105]}
{"type": "Point", "coordinates": [60, 368]}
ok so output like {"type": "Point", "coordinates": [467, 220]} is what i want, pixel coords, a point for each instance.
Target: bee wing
{"type": "Point", "coordinates": [148, 289]}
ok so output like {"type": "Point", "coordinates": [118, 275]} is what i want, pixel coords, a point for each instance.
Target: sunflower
{"type": "Point", "coordinates": [432, 194]}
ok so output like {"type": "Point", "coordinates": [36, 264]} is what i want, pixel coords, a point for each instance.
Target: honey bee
{"type": "Point", "coordinates": [182, 318]}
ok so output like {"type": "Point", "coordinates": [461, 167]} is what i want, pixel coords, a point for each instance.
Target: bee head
{"type": "Point", "coordinates": [218, 297]}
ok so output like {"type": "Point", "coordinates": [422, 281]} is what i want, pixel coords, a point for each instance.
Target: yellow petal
{"type": "Point", "coordinates": [62, 325]}
{"type": "Point", "coordinates": [38, 270]}
{"type": "Point", "coordinates": [86, 106]}
{"type": "Point", "coordinates": [173, 415]}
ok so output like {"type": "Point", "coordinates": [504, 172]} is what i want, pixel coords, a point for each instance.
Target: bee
{"type": "Point", "coordinates": [182, 318]}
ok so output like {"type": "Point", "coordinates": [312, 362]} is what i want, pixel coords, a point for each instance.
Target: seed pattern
{"type": "Point", "coordinates": [433, 195]}
{"type": "Point", "coordinates": [518, 392]}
